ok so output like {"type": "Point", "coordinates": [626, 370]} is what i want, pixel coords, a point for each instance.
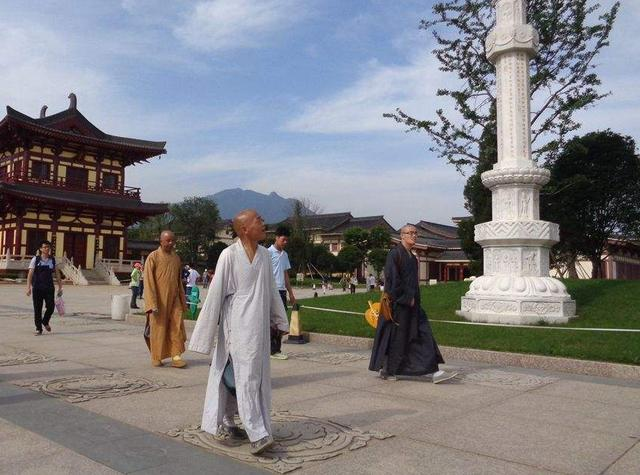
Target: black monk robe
{"type": "Point", "coordinates": [409, 347]}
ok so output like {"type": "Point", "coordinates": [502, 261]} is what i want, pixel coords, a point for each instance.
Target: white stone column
{"type": "Point", "coordinates": [516, 287]}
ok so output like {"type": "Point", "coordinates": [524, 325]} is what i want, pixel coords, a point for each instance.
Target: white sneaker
{"type": "Point", "coordinates": [442, 376]}
{"type": "Point", "coordinates": [279, 356]}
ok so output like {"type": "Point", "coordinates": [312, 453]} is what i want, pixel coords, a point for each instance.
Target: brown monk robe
{"type": "Point", "coordinates": [164, 303]}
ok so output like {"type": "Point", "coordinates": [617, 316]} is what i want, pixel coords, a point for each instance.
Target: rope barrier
{"type": "Point", "coordinates": [541, 327]}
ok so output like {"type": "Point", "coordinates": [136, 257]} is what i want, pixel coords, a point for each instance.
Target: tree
{"type": "Point", "coordinates": [563, 77]}
{"type": "Point", "coordinates": [195, 223]}
{"type": "Point", "coordinates": [322, 259]}
{"type": "Point", "coordinates": [594, 194]}
{"type": "Point", "coordinates": [150, 228]}
{"type": "Point", "coordinates": [378, 258]}
{"type": "Point", "coordinates": [213, 253]}
{"type": "Point", "coordinates": [350, 258]}
{"type": "Point", "coordinates": [379, 238]}
{"type": "Point", "coordinates": [563, 81]}
{"type": "Point", "coordinates": [477, 200]}
{"type": "Point", "coordinates": [359, 238]}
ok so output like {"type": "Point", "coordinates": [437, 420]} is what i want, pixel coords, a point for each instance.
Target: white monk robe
{"type": "Point", "coordinates": [241, 305]}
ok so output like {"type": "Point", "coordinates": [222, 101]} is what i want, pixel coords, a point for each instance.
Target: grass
{"type": "Point", "coordinates": [600, 303]}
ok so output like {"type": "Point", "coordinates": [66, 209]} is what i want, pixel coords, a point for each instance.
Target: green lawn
{"type": "Point", "coordinates": [600, 303]}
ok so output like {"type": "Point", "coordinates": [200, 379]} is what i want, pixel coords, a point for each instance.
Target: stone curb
{"type": "Point", "coordinates": [550, 363]}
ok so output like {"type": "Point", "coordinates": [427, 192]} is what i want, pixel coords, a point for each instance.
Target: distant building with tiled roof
{"type": "Point", "coordinates": [439, 252]}
{"type": "Point", "coordinates": [329, 229]}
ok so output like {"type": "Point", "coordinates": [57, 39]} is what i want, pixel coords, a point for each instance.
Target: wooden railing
{"type": "Point", "coordinates": [68, 184]}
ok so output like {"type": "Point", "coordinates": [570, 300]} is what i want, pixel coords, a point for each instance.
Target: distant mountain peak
{"type": "Point", "coordinates": [272, 207]}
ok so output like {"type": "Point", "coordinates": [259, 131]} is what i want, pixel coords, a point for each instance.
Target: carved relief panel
{"type": "Point", "coordinates": [501, 261]}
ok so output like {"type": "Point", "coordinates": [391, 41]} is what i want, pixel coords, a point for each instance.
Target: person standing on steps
{"type": "Point", "coordinates": [40, 284]}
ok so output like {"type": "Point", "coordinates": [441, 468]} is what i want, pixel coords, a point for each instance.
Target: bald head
{"type": "Point", "coordinates": [407, 228]}
{"type": "Point", "coordinates": [242, 219]}
{"type": "Point", "coordinates": [249, 226]}
{"type": "Point", "coordinates": [408, 235]}
{"type": "Point", "coordinates": [167, 240]}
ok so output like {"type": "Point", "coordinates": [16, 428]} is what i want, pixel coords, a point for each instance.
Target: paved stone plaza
{"type": "Point", "coordinates": [85, 399]}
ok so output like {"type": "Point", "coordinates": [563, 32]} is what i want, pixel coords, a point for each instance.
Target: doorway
{"type": "Point", "coordinates": [75, 245]}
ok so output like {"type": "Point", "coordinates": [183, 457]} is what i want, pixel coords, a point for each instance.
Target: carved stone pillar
{"type": "Point", "coordinates": [516, 287]}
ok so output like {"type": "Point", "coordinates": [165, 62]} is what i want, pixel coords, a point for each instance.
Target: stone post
{"type": "Point", "coordinates": [516, 287]}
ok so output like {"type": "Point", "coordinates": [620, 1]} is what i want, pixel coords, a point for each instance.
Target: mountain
{"type": "Point", "coordinates": [272, 207]}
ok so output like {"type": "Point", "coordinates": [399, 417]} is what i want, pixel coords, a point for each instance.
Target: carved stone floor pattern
{"type": "Point", "coordinates": [299, 440]}
{"type": "Point", "coordinates": [20, 357]}
{"type": "Point", "coordinates": [86, 387]}
{"type": "Point", "coordinates": [499, 378]}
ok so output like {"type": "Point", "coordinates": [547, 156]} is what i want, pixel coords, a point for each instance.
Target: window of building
{"type": "Point", "coordinates": [40, 170]}
{"type": "Point", "coordinates": [77, 177]}
{"type": "Point", "coordinates": [110, 181]}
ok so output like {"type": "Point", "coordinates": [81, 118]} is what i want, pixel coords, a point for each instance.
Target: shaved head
{"type": "Point", "coordinates": [249, 226]}
{"type": "Point", "coordinates": [408, 235]}
{"type": "Point", "coordinates": [167, 240]}
{"type": "Point", "coordinates": [407, 228]}
{"type": "Point", "coordinates": [242, 219]}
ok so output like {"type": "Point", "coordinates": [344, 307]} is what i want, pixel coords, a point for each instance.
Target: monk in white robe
{"type": "Point", "coordinates": [242, 305]}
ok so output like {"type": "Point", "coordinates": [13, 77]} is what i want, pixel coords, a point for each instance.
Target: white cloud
{"type": "Point", "coordinates": [218, 25]}
{"type": "Point", "coordinates": [379, 89]}
{"type": "Point", "coordinates": [37, 65]}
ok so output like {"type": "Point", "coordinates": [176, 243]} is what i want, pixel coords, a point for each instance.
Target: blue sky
{"type": "Point", "coordinates": [271, 95]}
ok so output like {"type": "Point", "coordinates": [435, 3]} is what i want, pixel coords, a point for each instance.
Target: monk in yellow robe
{"type": "Point", "coordinates": [164, 303]}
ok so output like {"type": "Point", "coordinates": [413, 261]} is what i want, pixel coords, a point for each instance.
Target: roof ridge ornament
{"type": "Point", "coordinates": [43, 111]}
{"type": "Point", "coordinates": [73, 101]}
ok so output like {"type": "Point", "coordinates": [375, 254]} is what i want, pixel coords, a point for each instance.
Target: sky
{"type": "Point", "coordinates": [268, 95]}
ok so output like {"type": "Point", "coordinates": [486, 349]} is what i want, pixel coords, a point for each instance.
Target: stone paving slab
{"type": "Point", "coordinates": [550, 446]}
{"type": "Point", "coordinates": [491, 419]}
{"type": "Point", "coordinates": [115, 445]}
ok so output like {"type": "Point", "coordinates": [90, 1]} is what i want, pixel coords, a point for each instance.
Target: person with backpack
{"type": "Point", "coordinates": [40, 285]}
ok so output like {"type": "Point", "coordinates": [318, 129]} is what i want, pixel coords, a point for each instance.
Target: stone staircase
{"type": "Point", "coordinates": [94, 277]}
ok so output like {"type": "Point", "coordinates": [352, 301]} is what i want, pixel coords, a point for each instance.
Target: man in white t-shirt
{"type": "Point", "coordinates": [191, 279]}
{"type": "Point", "coordinates": [42, 270]}
{"type": "Point", "coordinates": [281, 265]}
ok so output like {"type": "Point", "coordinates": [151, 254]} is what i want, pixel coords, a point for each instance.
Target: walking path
{"type": "Point", "coordinates": [84, 399]}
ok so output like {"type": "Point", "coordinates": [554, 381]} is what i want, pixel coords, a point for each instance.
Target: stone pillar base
{"type": "Point", "coordinates": [491, 299]}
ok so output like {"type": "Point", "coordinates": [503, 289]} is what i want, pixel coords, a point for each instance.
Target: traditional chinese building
{"type": "Point", "coordinates": [63, 179]}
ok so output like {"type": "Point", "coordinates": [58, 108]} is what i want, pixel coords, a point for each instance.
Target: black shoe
{"type": "Point", "coordinates": [46, 327]}
{"type": "Point", "coordinates": [38, 333]}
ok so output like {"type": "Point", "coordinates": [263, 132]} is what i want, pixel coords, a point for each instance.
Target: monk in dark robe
{"type": "Point", "coordinates": [164, 303]}
{"type": "Point", "coordinates": [405, 346]}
